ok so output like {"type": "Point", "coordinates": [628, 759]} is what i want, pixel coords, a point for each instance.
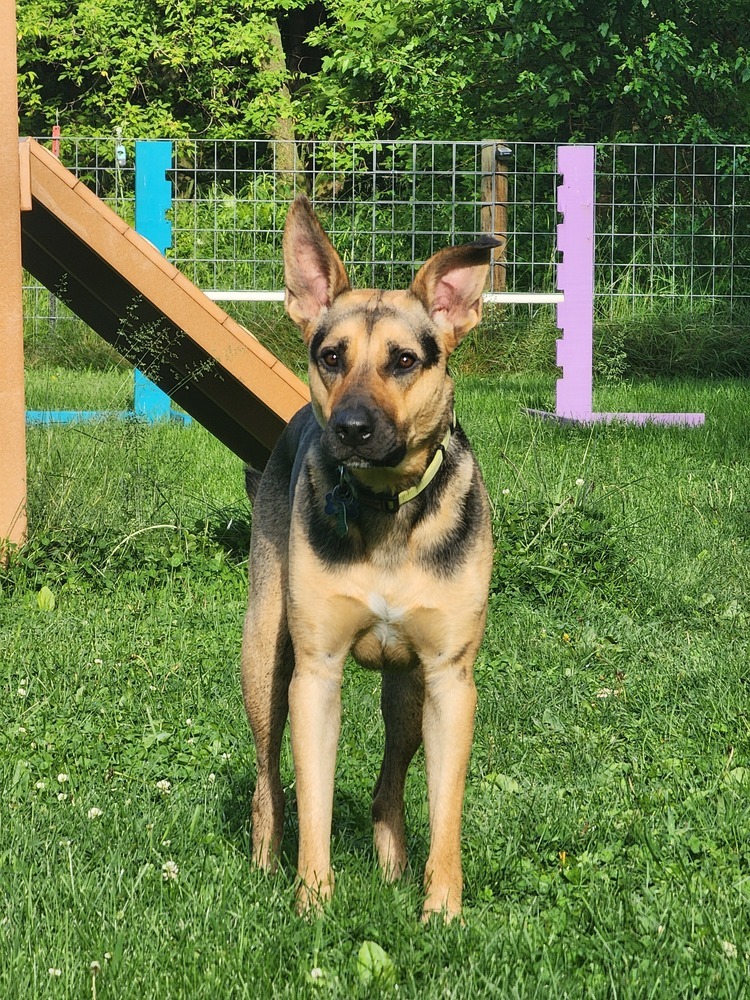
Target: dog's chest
{"type": "Point", "coordinates": [391, 633]}
{"type": "Point", "coordinates": [388, 626]}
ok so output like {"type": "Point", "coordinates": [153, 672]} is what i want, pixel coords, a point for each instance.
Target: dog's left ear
{"type": "Point", "coordinates": [313, 272]}
{"type": "Point", "coordinates": [450, 287]}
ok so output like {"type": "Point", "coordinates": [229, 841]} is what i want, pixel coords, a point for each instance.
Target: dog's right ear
{"type": "Point", "coordinates": [313, 272]}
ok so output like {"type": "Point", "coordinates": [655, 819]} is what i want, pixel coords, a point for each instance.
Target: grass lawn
{"type": "Point", "coordinates": [607, 817]}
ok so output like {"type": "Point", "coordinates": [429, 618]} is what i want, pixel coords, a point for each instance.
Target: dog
{"type": "Point", "coordinates": [371, 535]}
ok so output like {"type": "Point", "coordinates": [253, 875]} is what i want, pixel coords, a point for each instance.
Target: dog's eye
{"type": "Point", "coordinates": [330, 359]}
{"type": "Point", "coordinates": [406, 361]}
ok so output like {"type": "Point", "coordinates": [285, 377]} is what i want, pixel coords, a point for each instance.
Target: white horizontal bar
{"type": "Point", "coordinates": [523, 297]}
{"type": "Point", "coordinates": [219, 296]}
{"type": "Point", "coordinates": [497, 297]}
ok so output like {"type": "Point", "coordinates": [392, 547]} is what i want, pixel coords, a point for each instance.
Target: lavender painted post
{"type": "Point", "coordinates": [575, 314]}
{"type": "Point", "coordinates": [575, 279]}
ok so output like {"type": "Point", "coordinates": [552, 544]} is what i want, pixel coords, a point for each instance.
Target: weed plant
{"type": "Point", "coordinates": [607, 816]}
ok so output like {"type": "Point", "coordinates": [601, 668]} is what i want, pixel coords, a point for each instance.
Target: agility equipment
{"type": "Point", "coordinates": [575, 312]}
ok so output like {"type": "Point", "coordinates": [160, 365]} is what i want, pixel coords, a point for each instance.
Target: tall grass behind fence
{"type": "Point", "coordinates": [672, 221]}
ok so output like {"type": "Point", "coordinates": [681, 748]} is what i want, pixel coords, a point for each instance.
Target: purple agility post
{"type": "Point", "coordinates": [575, 314]}
{"type": "Point", "coordinates": [575, 279]}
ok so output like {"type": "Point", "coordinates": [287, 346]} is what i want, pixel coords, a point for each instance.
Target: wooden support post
{"type": "Point", "coordinates": [12, 406]}
{"type": "Point", "coordinates": [495, 161]}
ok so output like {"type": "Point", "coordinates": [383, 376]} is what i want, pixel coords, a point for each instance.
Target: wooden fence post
{"type": "Point", "coordinates": [495, 162]}
{"type": "Point", "coordinates": [12, 405]}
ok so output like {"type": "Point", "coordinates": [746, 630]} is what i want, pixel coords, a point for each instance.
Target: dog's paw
{"type": "Point", "coordinates": [313, 894]}
{"type": "Point", "coordinates": [443, 912]}
{"type": "Point", "coordinates": [442, 899]}
{"type": "Point", "coordinates": [266, 861]}
{"type": "Point", "coordinates": [391, 852]}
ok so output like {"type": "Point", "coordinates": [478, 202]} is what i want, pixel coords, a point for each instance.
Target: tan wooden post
{"type": "Point", "coordinates": [495, 159]}
{"type": "Point", "coordinates": [12, 403]}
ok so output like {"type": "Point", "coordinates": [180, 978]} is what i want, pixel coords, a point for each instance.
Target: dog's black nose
{"type": "Point", "coordinates": [352, 425]}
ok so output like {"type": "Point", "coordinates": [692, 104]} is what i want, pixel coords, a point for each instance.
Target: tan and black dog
{"type": "Point", "coordinates": [371, 535]}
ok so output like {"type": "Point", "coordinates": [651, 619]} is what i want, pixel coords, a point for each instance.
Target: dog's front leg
{"type": "Point", "coordinates": [315, 721]}
{"type": "Point", "coordinates": [448, 728]}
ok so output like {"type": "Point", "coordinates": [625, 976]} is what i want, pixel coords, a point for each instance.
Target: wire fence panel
{"type": "Point", "coordinates": [672, 222]}
{"type": "Point", "coordinates": [387, 207]}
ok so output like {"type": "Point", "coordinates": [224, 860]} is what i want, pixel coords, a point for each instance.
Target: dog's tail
{"type": "Point", "coordinates": [252, 480]}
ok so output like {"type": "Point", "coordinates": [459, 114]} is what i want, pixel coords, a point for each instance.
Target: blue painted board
{"type": "Point", "coordinates": [153, 199]}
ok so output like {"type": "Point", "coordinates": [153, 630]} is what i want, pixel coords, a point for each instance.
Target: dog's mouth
{"type": "Point", "coordinates": [365, 455]}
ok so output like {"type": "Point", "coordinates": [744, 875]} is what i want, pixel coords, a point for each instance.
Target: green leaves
{"type": "Point", "coordinates": [75, 560]}
{"type": "Point", "coordinates": [45, 599]}
{"type": "Point", "coordinates": [148, 68]}
{"type": "Point", "coordinates": [374, 966]}
{"type": "Point", "coordinates": [433, 68]}
{"type": "Point", "coordinates": [555, 547]}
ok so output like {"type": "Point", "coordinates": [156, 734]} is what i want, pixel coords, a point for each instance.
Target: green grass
{"type": "Point", "coordinates": [607, 818]}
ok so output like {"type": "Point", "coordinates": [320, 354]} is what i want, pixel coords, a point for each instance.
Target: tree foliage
{"type": "Point", "coordinates": [150, 67]}
{"type": "Point", "coordinates": [648, 70]}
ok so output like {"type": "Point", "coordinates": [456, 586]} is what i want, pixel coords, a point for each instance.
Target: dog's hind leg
{"type": "Point", "coordinates": [267, 665]}
{"type": "Point", "coordinates": [402, 698]}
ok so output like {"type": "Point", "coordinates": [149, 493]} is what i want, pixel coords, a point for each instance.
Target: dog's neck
{"type": "Point", "coordinates": [344, 500]}
{"type": "Point", "coordinates": [394, 501]}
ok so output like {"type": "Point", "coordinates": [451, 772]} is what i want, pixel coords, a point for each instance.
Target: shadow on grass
{"type": "Point", "coordinates": [351, 833]}
{"type": "Point", "coordinates": [228, 529]}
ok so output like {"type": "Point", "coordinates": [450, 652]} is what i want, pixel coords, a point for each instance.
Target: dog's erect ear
{"type": "Point", "coordinates": [450, 287]}
{"type": "Point", "coordinates": [313, 272]}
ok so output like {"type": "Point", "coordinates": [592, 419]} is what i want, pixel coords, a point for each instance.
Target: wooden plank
{"type": "Point", "coordinates": [12, 404]}
{"type": "Point", "coordinates": [190, 376]}
{"type": "Point", "coordinates": [123, 287]}
{"type": "Point", "coordinates": [24, 164]}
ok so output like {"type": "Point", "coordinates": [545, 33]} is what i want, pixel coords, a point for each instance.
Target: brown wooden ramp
{"type": "Point", "coordinates": [126, 291]}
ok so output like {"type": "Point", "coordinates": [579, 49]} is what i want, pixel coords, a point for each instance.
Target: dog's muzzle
{"type": "Point", "coordinates": [358, 436]}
